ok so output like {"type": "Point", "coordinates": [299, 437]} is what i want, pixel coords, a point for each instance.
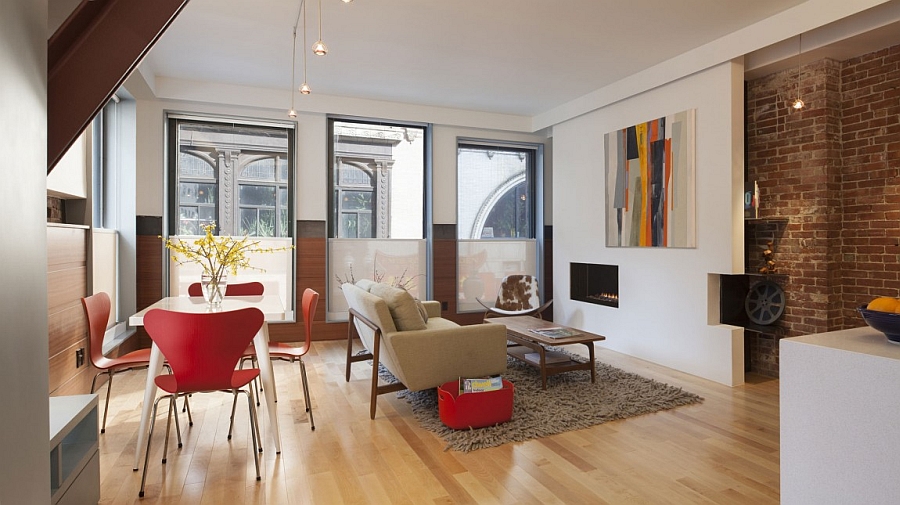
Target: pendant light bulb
{"type": "Point", "coordinates": [798, 104]}
{"type": "Point", "coordinates": [319, 48]}
{"type": "Point", "coordinates": [292, 113]}
{"type": "Point", "coordinates": [305, 89]}
{"type": "Point", "coordinates": [346, 1]}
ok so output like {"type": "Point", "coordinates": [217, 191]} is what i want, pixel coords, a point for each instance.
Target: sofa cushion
{"type": "Point", "coordinates": [365, 285]}
{"type": "Point", "coordinates": [402, 305]}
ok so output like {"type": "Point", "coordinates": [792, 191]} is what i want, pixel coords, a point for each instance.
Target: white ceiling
{"type": "Point", "coordinates": [520, 57]}
{"type": "Point", "coordinates": [516, 57]}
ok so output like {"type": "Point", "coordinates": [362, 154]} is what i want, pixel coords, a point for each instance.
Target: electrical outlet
{"type": "Point", "coordinates": [445, 306]}
{"type": "Point", "coordinates": [79, 357]}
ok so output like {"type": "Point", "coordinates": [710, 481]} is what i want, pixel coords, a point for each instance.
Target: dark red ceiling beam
{"type": "Point", "coordinates": [91, 55]}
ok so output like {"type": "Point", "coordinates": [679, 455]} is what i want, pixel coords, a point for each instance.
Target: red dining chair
{"type": "Point", "coordinates": [203, 351]}
{"type": "Point", "coordinates": [96, 308]}
{"type": "Point", "coordinates": [285, 351]}
{"type": "Point", "coordinates": [240, 289]}
{"type": "Point", "coordinates": [243, 289]}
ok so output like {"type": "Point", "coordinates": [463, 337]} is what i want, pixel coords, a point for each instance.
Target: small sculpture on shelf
{"type": "Point", "coordinates": [768, 261]}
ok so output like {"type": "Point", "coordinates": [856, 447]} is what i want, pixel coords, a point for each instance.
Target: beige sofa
{"type": "Point", "coordinates": [411, 339]}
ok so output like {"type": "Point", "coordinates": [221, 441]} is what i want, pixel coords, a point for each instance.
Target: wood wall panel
{"type": "Point", "coordinates": [67, 327]}
{"type": "Point", "coordinates": [62, 365]}
{"type": "Point", "coordinates": [148, 284]}
{"type": "Point", "coordinates": [80, 383]}
{"type": "Point", "coordinates": [69, 246]}
{"type": "Point", "coordinates": [66, 285]}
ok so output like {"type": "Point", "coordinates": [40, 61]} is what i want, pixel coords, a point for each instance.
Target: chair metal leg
{"type": "Point", "coordinates": [177, 424]}
{"type": "Point", "coordinates": [233, 406]}
{"type": "Point", "coordinates": [108, 389]}
{"type": "Point", "coordinates": [187, 408]}
{"type": "Point", "coordinates": [106, 408]}
{"type": "Point", "coordinates": [149, 438]}
{"type": "Point", "coordinates": [254, 433]}
{"type": "Point", "coordinates": [312, 423]}
{"type": "Point", "coordinates": [168, 426]}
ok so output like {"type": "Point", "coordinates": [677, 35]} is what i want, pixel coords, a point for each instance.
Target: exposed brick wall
{"type": "Point", "coordinates": [831, 171]}
{"type": "Point", "coordinates": [871, 180]}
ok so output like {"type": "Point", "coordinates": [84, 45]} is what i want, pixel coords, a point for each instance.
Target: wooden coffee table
{"type": "Point", "coordinates": [519, 330]}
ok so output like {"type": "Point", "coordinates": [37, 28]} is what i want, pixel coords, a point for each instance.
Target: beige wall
{"type": "Point", "coordinates": [24, 418]}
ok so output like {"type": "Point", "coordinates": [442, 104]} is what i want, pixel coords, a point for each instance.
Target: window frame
{"type": "Point", "coordinates": [171, 184]}
{"type": "Point", "coordinates": [537, 176]}
{"type": "Point", "coordinates": [172, 176]}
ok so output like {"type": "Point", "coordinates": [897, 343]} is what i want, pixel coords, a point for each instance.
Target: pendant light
{"type": "Point", "coordinates": [798, 102]}
{"type": "Point", "coordinates": [319, 47]}
{"type": "Point", "coordinates": [293, 113]}
{"type": "Point", "coordinates": [304, 88]}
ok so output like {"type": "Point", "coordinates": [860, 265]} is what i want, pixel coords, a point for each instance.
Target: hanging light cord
{"type": "Point", "coordinates": [798, 103]}
{"type": "Point", "coordinates": [303, 6]}
{"type": "Point", "coordinates": [293, 112]}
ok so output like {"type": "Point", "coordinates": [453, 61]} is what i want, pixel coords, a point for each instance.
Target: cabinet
{"type": "Point", "coordinates": [74, 450]}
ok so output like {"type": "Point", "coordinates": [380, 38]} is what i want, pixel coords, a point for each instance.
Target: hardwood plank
{"type": "Point", "coordinates": [721, 451]}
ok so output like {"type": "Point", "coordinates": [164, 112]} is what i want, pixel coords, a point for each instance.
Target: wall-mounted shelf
{"type": "Point", "coordinates": [74, 454]}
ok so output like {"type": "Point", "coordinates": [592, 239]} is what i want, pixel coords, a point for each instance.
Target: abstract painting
{"type": "Point", "coordinates": [650, 184]}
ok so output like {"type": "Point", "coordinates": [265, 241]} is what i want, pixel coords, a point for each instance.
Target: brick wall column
{"type": "Point", "coordinates": [795, 157]}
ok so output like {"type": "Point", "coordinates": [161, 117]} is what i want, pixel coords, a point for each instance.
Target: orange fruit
{"type": "Point", "coordinates": [885, 304]}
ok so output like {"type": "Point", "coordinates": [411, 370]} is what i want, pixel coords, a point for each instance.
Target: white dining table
{"type": "Point", "coordinates": [272, 308]}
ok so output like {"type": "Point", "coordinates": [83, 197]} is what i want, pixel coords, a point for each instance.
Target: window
{"type": "Point", "coordinates": [377, 200]}
{"type": "Point", "coordinates": [237, 174]}
{"type": "Point", "coordinates": [497, 210]}
{"type": "Point", "coordinates": [213, 158]}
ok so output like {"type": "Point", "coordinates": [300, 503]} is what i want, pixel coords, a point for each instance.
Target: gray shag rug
{"type": "Point", "coordinates": [570, 402]}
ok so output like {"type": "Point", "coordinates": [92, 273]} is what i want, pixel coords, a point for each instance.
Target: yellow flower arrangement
{"type": "Point", "coordinates": [219, 254]}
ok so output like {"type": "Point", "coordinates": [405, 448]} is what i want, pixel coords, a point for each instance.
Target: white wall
{"type": "Point", "coordinates": [69, 177]}
{"type": "Point", "coordinates": [665, 294]}
{"type": "Point", "coordinates": [24, 418]}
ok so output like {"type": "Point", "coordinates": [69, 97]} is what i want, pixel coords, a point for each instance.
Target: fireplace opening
{"type": "Point", "coordinates": [594, 283]}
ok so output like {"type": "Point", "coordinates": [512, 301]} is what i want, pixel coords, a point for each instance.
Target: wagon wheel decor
{"type": "Point", "coordinates": [765, 302]}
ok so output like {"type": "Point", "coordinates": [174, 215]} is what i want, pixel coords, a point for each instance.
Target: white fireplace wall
{"type": "Point", "coordinates": [665, 294]}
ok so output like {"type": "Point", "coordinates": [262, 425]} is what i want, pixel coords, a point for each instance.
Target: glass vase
{"type": "Point", "coordinates": [213, 288]}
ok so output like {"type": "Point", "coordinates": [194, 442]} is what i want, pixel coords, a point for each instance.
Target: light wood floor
{"type": "Point", "coordinates": [723, 451]}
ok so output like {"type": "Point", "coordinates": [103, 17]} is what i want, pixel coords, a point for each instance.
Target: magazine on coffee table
{"type": "Point", "coordinates": [556, 332]}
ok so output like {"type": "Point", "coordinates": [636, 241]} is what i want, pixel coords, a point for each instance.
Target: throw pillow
{"type": "Point", "coordinates": [402, 305]}
{"type": "Point", "coordinates": [422, 311]}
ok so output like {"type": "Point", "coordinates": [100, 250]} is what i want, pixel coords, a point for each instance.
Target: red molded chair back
{"type": "Point", "coordinates": [202, 349]}
{"type": "Point", "coordinates": [97, 307]}
{"type": "Point", "coordinates": [309, 302]}
{"type": "Point", "coordinates": [243, 289]}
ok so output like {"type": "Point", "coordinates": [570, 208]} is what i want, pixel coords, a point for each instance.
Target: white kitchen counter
{"type": "Point", "coordinates": [840, 418]}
